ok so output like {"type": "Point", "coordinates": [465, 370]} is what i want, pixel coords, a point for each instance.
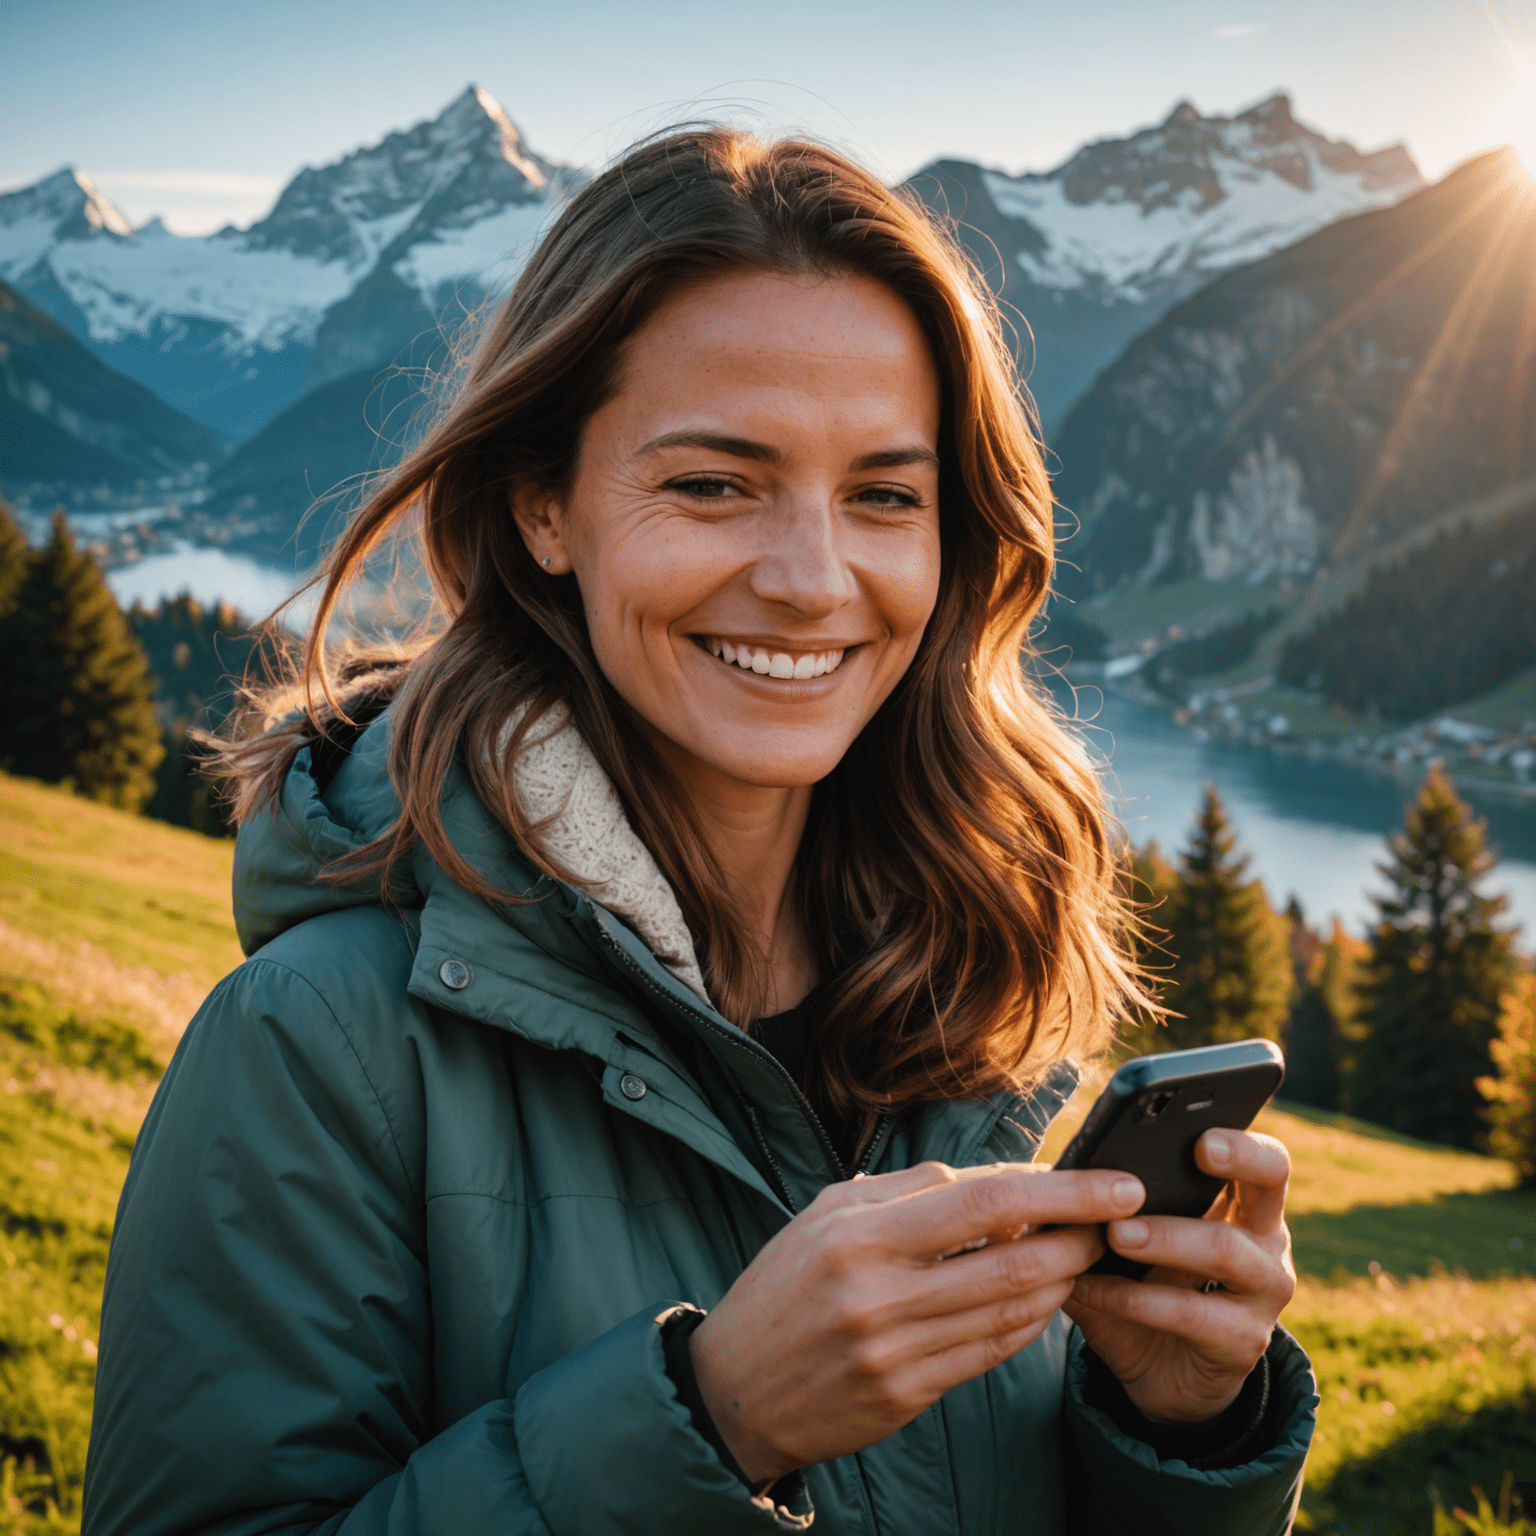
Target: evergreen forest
{"type": "Point", "coordinates": [105, 702]}
{"type": "Point", "coordinates": [1448, 622]}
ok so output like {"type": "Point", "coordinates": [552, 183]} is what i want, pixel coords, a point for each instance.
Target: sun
{"type": "Point", "coordinates": [1519, 118]}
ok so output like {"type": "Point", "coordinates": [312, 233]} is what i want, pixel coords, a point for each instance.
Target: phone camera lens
{"type": "Point", "coordinates": [1154, 1104]}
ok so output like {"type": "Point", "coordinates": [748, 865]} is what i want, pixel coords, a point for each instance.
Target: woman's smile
{"type": "Point", "coordinates": [767, 659]}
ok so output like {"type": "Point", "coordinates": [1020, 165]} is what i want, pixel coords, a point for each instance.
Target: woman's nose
{"type": "Point", "coordinates": [802, 563]}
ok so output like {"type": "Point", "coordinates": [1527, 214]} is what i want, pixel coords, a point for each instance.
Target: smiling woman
{"type": "Point", "coordinates": [663, 972]}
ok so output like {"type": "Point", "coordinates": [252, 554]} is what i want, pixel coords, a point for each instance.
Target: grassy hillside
{"type": "Point", "coordinates": [112, 928]}
{"type": "Point", "coordinates": [1417, 1299]}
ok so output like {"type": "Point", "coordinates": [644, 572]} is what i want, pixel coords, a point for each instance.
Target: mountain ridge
{"type": "Point", "coordinates": [228, 327]}
{"type": "Point", "coordinates": [1322, 400]}
{"type": "Point", "coordinates": [1097, 249]}
{"type": "Point", "coordinates": [66, 417]}
{"type": "Point", "coordinates": [225, 326]}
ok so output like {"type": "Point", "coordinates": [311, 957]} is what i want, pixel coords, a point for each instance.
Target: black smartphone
{"type": "Point", "coordinates": [1153, 1111]}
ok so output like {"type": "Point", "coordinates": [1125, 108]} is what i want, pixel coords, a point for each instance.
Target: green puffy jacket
{"type": "Point", "coordinates": [422, 1181]}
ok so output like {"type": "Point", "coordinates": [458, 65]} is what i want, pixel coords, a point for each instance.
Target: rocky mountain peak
{"type": "Point", "coordinates": [1276, 111]}
{"type": "Point", "coordinates": [483, 122]}
{"type": "Point", "coordinates": [470, 156]}
{"type": "Point", "coordinates": [1191, 162]}
{"type": "Point", "coordinates": [65, 206]}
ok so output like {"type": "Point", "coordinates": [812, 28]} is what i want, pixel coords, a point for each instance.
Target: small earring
{"type": "Point", "coordinates": [545, 562]}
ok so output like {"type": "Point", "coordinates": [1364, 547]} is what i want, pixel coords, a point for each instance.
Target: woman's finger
{"type": "Point", "coordinates": [1259, 1169]}
{"type": "Point", "coordinates": [1221, 1328]}
{"type": "Point", "coordinates": [876, 1189]}
{"type": "Point", "coordinates": [946, 1217]}
{"type": "Point", "coordinates": [1003, 1271]}
{"type": "Point", "coordinates": [1214, 1250]}
{"type": "Point", "coordinates": [981, 1347]}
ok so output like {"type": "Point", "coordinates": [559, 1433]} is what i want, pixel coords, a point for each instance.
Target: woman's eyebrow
{"type": "Point", "coordinates": [896, 458]}
{"type": "Point", "coordinates": [766, 453]}
{"type": "Point", "coordinates": [721, 442]}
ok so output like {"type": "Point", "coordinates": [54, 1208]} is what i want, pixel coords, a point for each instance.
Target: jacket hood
{"type": "Point", "coordinates": [281, 853]}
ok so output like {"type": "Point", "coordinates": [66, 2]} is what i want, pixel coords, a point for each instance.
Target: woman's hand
{"type": "Point", "coordinates": [848, 1323]}
{"type": "Point", "coordinates": [1182, 1353]}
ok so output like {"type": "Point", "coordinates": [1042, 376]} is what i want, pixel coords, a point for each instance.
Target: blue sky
{"type": "Point", "coordinates": [201, 109]}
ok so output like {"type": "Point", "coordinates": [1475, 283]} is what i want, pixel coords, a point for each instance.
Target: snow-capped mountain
{"type": "Point", "coordinates": [1300, 411]}
{"type": "Point", "coordinates": [1099, 248]}
{"type": "Point", "coordinates": [232, 327]}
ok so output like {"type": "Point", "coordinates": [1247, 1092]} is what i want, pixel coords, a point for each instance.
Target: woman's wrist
{"type": "Point", "coordinates": [1191, 1412]}
{"type": "Point", "coordinates": [1226, 1439]}
{"type": "Point", "coordinates": [753, 1462]}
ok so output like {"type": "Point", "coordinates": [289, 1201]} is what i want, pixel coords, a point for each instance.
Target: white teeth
{"type": "Point", "coordinates": [780, 664]}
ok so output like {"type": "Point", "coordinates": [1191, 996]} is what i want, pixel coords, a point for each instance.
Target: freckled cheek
{"type": "Point", "coordinates": [637, 590]}
{"type": "Point", "coordinates": [906, 588]}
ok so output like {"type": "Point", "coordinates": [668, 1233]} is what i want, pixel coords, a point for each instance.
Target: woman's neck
{"type": "Point", "coordinates": [754, 832]}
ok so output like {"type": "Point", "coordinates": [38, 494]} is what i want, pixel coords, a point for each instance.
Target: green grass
{"type": "Point", "coordinates": [111, 930]}
{"type": "Point", "coordinates": [1419, 1315]}
{"type": "Point", "coordinates": [1145, 613]}
{"type": "Point", "coordinates": [145, 893]}
{"type": "Point", "coordinates": [1509, 707]}
{"type": "Point", "coordinates": [1427, 1385]}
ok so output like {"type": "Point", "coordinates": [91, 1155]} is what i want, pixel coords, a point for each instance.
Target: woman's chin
{"type": "Point", "coordinates": [755, 760]}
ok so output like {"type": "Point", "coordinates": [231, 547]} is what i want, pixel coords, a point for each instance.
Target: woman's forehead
{"type": "Point", "coordinates": [762, 346]}
{"type": "Point", "coordinates": [746, 314]}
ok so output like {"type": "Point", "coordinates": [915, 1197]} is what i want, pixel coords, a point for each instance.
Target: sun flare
{"type": "Point", "coordinates": [1520, 118]}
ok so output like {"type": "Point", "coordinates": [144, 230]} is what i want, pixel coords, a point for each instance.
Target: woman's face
{"type": "Point", "coordinates": [754, 522]}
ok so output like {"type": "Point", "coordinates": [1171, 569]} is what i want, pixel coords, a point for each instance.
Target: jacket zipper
{"type": "Point", "coordinates": [761, 1054]}
{"type": "Point", "coordinates": [773, 1163]}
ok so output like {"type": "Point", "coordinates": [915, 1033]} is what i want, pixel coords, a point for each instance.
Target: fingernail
{"type": "Point", "coordinates": [1130, 1234]}
{"type": "Point", "coordinates": [1217, 1147]}
{"type": "Point", "coordinates": [1127, 1192]}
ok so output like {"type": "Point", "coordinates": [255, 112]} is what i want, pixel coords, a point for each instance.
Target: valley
{"type": "Point", "coordinates": [1273, 368]}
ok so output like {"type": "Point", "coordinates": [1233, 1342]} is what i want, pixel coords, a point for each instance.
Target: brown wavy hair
{"type": "Point", "coordinates": [956, 870]}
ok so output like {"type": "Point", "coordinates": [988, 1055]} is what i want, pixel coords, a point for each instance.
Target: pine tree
{"type": "Point", "coordinates": [1511, 1096]}
{"type": "Point", "coordinates": [13, 561]}
{"type": "Point", "coordinates": [1230, 976]}
{"type": "Point", "coordinates": [1339, 969]}
{"type": "Point", "coordinates": [1311, 1031]}
{"type": "Point", "coordinates": [1148, 882]}
{"type": "Point", "coordinates": [1434, 977]}
{"type": "Point", "coordinates": [81, 703]}
{"type": "Point", "coordinates": [198, 653]}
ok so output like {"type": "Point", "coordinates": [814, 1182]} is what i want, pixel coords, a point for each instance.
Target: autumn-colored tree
{"type": "Point", "coordinates": [1511, 1093]}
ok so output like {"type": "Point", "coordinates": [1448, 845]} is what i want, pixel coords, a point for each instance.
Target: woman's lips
{"type": "Point", "coordinates": [766, 662]}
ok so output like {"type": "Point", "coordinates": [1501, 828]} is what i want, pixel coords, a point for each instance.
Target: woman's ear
{"type": "Point", "coordinates": [541, 521]}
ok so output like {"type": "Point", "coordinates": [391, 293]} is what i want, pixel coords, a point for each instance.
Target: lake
{"type": "Point", "coordinates": [1315, 827]}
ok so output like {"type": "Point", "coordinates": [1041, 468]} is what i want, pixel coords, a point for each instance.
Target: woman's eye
{"type": "Point", "coordinates": [888, 496]}
{"type": "Point", "coordinates": [703, 487]}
